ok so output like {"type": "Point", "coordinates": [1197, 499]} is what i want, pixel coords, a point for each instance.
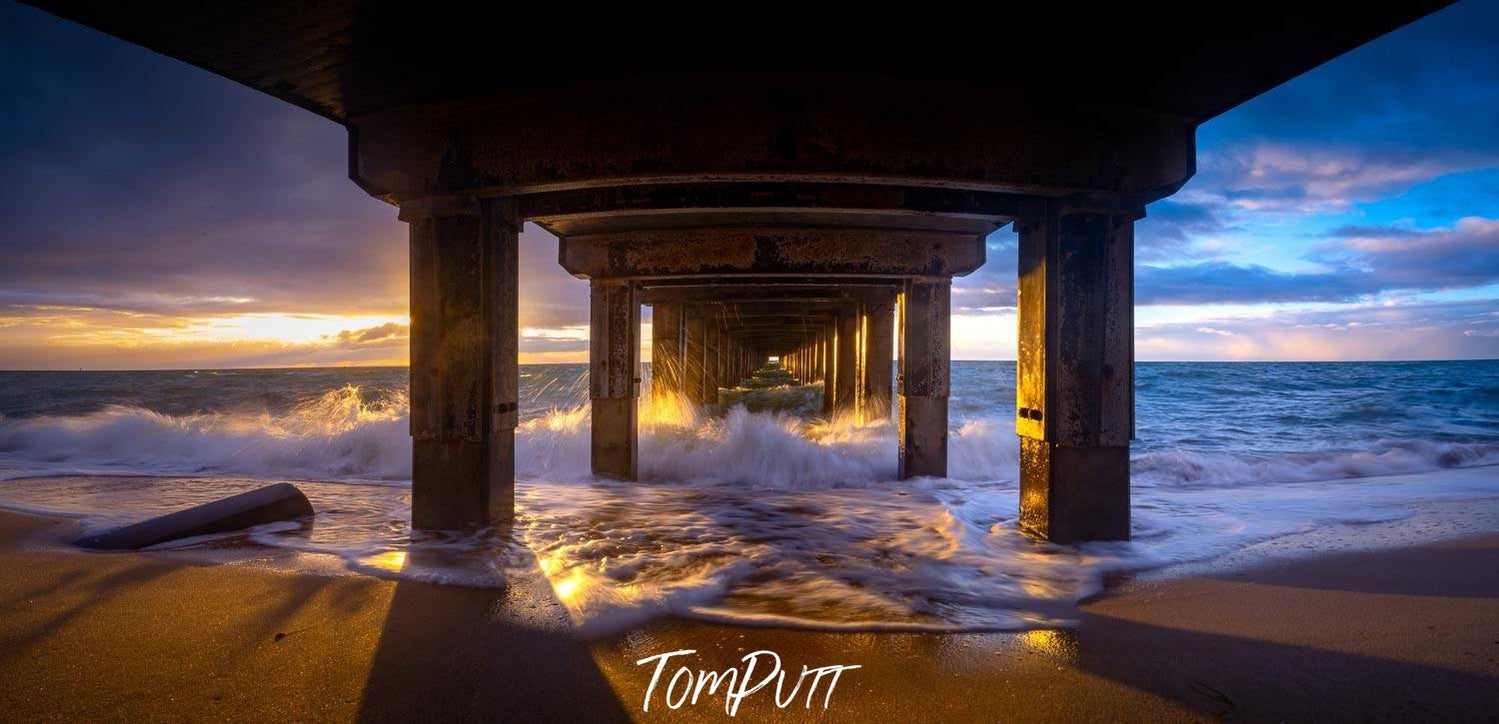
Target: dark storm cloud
{"type": "Point", "coordinates": [150, 190]}
{"type": "Point", "coordinates": [134, 181]}
{"type": "Point", "coordinates": [138, 184]}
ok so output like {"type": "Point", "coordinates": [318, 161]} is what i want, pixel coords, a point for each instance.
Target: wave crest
{"type": "Point", "coordinates": [350, 434]}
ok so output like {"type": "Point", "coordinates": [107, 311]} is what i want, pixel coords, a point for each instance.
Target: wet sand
{"type": "Point", "coordinates": [1400, 634]}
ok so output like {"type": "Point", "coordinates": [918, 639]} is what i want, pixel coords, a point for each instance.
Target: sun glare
{"type": "Point", "coordinates": [284, 328]}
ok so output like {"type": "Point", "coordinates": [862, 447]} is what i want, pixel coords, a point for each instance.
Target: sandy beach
{"type": "Point", "coordinates": [1408, 633]}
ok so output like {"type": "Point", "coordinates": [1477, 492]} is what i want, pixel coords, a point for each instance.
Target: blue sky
{"type": "Point", "coordinates": [160, 216]}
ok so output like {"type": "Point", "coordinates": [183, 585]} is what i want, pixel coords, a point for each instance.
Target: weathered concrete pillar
{"type": "Point", "coordinates": [692, 368]}
{"type": "Point", "coordinates": [712, 353]}
{"type": "Point", "coordinates": [924, 377]}
{"type": "Point", "coordinates": [819, 356]}
{"type": "Point", "coordinates": [1075, 383]}
{"type": "Point", "coordinates": [666, 350]}
{"type": "Point", "coordinates": [730, 362]}
{"type": "Point", "coordinates": [846, 358]}
{"type": "Point", "coordinates": [614, 363]}
{"type": "Point", "coordinates": [879, 338]}
{"type": "Point", "coordinates": [829, 368]}
{"type": "Point", "coordinates": [736, 363]}
{"type": "Point", "coordinates": [463, 360]}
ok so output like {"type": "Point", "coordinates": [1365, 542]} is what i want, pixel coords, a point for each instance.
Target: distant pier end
{"type": "Point", "coordinates": [800, 187]}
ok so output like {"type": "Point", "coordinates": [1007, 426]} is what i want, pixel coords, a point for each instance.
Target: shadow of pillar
{"type": "Point", "coordinates": [455, 654]}
{"type": "Point", "coordinates": [1233, 677]}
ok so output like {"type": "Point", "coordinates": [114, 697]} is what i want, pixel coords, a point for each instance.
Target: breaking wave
{"type": "Point", "coordinates": [345, 435]}
{"type": "Point", "coordinates": [755, 517]}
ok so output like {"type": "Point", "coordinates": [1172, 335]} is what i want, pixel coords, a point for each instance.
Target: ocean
{"type": "Point", "coordinates": [779, 518]}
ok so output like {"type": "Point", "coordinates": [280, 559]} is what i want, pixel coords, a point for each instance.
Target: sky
{"type": "Point", "coordinates": [158, 216]}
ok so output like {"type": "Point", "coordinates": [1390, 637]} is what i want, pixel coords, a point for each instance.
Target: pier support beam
{"type": "Point", "coordinates": [1075, 388]}
{"type": "Point", "coordinates": [463, 360]}
{"type": "Point", "coordinates": [826, 352]}
{"type": "Point", "coordinates": [712, 361]}
{"type": "Point", "coordinates": [924, 377]}
{"type": "Point", "coordinates": [879, 332]}
{"type": "Point", "coordinates": [692, 367]}
{"type": "Point", "coordinates": [614, 363]}
{"type": "Point", "coordinates": [666, 350]}
{"type": "Point", "coordinates": [846, 358]}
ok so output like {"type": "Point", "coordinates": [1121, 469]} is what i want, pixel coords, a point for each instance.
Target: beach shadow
{"type": "Point", "coordinates": [70, 595]}
{"type": "Point", "coordinates": [462, 654]}
{"type": "Point", "coordinates": [1460, 569]}
{"type": "Point", "coordinates": [1233, 677]}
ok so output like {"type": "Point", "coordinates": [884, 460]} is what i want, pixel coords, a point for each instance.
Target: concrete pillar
{"type": "Point", "coordinates": [463, 360]}
{"type": "Point", "coordinates": [730, 365]}
{"type": "Point", "coordinates": [924, 377]}
{"type": "Point", "coordinates": [712, 351]}
{"type": "Point", "coordinates": [819, 357]}
{"type": "Point", "coordinates": [1075, 381]}
{"type": "Point", "coordinates": [731, 362]}
{"type": "Point", "coordinates": [846, 362]}
{"type": "Point", "coordinates": [692, 369]}
{"type": "Point", "coordinates": [879, 338]}
{"type": "Point", "coordinates": [666, 349]}
{"type": "Point", "coordinates": [829, 368]}
{"type": "Point", "coordinates": [613, 381]}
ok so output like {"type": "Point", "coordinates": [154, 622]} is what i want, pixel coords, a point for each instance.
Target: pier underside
{"type": "Point", "coordinates": [835, 280]}
{"type": "Point", "coordinates": [812, 203]}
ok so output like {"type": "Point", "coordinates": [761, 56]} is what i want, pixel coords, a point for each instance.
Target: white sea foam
{"type": "Point", "coordinates": [341, 437]}
{"type": "Point", "coordinates": [759, 518]}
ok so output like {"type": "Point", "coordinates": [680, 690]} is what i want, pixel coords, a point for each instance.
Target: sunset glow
{"type": "Point", "coordinates": [1381, 245]}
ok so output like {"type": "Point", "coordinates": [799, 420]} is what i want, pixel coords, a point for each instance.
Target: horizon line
{"type": "Point", "coordinates": [538, 364]}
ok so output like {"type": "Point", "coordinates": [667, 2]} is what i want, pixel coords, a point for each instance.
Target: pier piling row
{"type": "Point", "coordinates": [812, 204]}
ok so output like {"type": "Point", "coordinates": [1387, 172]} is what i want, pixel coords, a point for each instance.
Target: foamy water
{"type": "Point", "coordinates": [776, 518]}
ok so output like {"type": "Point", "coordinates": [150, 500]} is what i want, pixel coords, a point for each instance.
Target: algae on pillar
{"type": "Point", "coordinates": [1075, 377]}
{"type": "Point", "coordinates": [464, 377]}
